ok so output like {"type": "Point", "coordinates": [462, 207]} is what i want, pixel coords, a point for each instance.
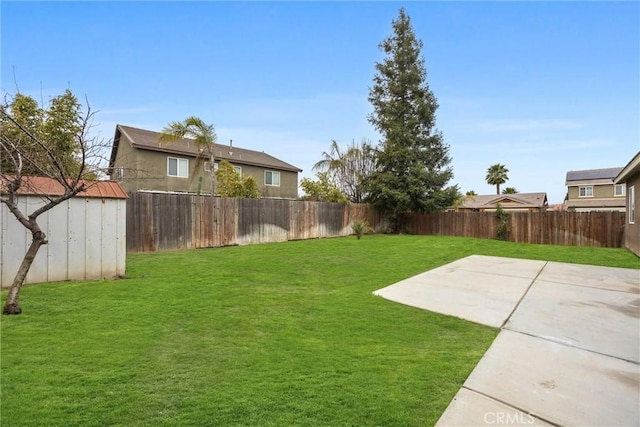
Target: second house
{"type": "Point", "coordinates": [141, 163]}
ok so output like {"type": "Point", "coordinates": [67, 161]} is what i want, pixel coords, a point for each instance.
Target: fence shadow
{"type": "Point", "coordinates": [158, 221]}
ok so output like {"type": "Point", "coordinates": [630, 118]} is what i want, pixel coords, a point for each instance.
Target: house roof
{"type": "Point", "coordinates": [632, 168]}
{"type": "Point", "coordinates": [148, 140]}
{"type": "Point", "coordinates": [45, 186]}
{"type": "Point", "coordinates": [520, 200]}
{"type": "Point", "coordinates": [593, 174]}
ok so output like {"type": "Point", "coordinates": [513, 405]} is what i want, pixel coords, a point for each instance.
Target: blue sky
{"type": "Point", "coordinates": [543, 87]}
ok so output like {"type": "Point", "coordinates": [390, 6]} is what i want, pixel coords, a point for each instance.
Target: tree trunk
{"type": "Point", "coordinates": [39, 239]}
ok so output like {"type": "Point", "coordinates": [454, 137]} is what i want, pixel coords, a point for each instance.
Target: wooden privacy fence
{"type": "Point", "coordinates": [157, 221]}
{"type": "Point", "coordinates": [605, 229]}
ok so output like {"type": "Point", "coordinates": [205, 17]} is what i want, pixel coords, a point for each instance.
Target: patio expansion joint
{"type": "Point", "coordinates": [524, 294]}
{"type": "Point", "coordinates": [557, 282]}
{"type": "Point", "coordinates": [570, 346]}
{"type": "Point", "coordinates": [492, 273]}
{"type": "Point", "coordinates": [510, 405]}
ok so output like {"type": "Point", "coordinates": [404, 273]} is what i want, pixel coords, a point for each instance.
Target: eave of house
{"type": "Point", "coordinates": [114, 149]}
{"type": "Point", "coordinates": [230, 159]}
{"type": "Point", "coordinates": [632, 168]}
{"type": "Point", "coordinates": [185, 149]}
{"type": "Point", "coordinates": [595, 202]}
{"type": "Point", "coordinates": [605, 181]}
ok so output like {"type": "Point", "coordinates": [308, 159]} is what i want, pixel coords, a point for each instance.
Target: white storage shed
{"type": "Point", "coordinates": [86, 234]}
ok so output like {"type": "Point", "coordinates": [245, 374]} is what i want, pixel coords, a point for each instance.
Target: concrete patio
{"type": "Point", "coordinates": [568, 352]}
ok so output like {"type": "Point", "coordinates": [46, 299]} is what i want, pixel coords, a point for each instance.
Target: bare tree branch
{"type": "Point", "coordinates": [70, 169]}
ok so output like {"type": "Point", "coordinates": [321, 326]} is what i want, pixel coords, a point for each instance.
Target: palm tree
{"type": "Point", "coordinates": [496, 175]}
{"type": "Point", "coordinates": [204, 136]}
{"type": "Point", "coordinates": [510, 190]}
{"type": "Point", "coordinates": [332, 161]}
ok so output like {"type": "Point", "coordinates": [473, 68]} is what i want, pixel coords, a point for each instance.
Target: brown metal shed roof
{"type": "Point", "coordinates": [44, 186]}
{"type": "Point", "coordinates": [148, 140]}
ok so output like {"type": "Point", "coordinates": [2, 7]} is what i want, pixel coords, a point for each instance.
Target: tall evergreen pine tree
{"type": "Point", "coordinates": [412, 160]}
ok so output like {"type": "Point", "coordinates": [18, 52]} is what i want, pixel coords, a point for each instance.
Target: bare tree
{"type": "Point", "coordinates": [349, 169]}
{"type": "Point", "coordinates": [26, 156]}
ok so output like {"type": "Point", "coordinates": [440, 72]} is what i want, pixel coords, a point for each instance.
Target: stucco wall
{"type": "Point", "coordinates": [146, 170]}
{"type": "Point", "coordinates": [632, 231]}
{"type": "Point", "coordinates": [126, 161]}
{"type": "Point", "coordinates": [288, 182]}
{"type": "Point", "coordinates": [599, 192]}
{"type": "Point", "coordinates": [87, 240]}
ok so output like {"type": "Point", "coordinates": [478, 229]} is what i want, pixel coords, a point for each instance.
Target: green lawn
{"type": "Point", "coordinates": [274, 334]}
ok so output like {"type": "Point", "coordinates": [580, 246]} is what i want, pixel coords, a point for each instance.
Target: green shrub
{"type": "Point", "coordinates": [503, 225]}
{"type": "Point", "coordinates": [360, 228]}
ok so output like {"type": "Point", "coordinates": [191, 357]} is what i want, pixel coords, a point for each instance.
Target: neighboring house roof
{"type": "Point", "coordinates": [44, 186]}
{"type": "Point", "coordinates": [518, 200]}
{"type": "Point", "coordinates": [632, 168]}
{"type": "Point", "coordinates": [148, 140]}
{"type": "Point", "coordinates": [607, 174]}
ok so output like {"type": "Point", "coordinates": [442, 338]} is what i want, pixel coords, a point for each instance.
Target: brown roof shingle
{"type": "Point", "coordinates": [588, 174]}
{"type": "Point", "coordinates": [148, 140]}
{"type": "Point", "coordinates": [525, 200]}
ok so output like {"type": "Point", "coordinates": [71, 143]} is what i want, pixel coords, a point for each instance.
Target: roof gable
{"type": "Point", "coordinates": [148, 140]}
{"type": "Point", "coordinates": [524, 200]}
{"type": "Point", "coordinates": [509, 200]}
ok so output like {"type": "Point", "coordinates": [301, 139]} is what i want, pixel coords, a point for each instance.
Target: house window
{"type": "Point", "coordinates": [118, 173]}
{"type": "Point", "coordinates": [207, 166]}
{"type": "Point", "coordinates": [585, 191]}
{"type": "Point", "coordinates": [238, 170]}
{"type": "Point", "coordinates": [619, 190]}
{"type": "Point", "coordinates": [632, 204]}
{"type": "Point", "coordinates": [177, 167]}
{"type": "Point", "coordinates": [272, 178]}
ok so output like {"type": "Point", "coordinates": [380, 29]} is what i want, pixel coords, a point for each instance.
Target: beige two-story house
{"type": "Point", "coordinates": [595, 190]}
{"type": "Point", "coordinates": [141, 163]}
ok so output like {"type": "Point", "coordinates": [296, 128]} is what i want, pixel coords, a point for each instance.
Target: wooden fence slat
{"type": "Point", "coordinates": [158, 221]}
{"type": "Point", "coordinates": [604, 229]}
